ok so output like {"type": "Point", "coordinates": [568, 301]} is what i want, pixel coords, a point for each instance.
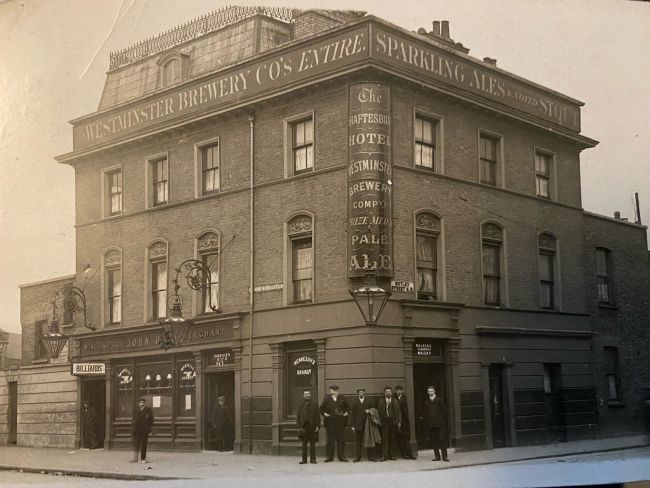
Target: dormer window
{"type": "Point", "coordinates": [173, 66]}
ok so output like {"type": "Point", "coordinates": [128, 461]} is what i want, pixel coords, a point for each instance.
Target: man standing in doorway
{"type": "Point", "coordinates": [141, 429]}
{"type": "Point", "coordinates": [89, 419]}
{"type": "Point", "coordinates": [404, 434]}
{"type": "Point", "coordinates": [335, 412]}
{"type": "Point", "coordinates": [435, 420]}
{"type": "Point", "coordinates": [222, 421]}
{"type": "Point", "coordinates": [360, 409]}
{"type": "Point", "coordinates": [308, 422]}
{"type": "Point", "coordinates": [391, 422]}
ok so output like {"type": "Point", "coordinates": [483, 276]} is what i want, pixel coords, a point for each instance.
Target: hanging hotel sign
{"type": "Point", "coordinates": [117, 342]}
{"type": "Point", "coordinates": [88, 369]}
{"type": "Point", "coordinates": [220, 357]}
{"type": "Point", "coordinates": [370, 235]}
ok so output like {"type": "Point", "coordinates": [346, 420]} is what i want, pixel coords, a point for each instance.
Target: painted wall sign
{"type": "Point", "coordinates": [88, 369]}
{"type": "Point", "coordinates": [427, 349]}
{"type": "Point", "coordinates": [370, 235]}
{"type": "Point", "coordinates": [402, 286]}
{"type": "Point", "coordinates": [271, 287]}
{"type": "Point", "coordinates": [421, 58]}
{"type": "Point", "coordinates": [149, 340]}
{"type": "Point", "coordinates": [224, 87]}
{"type": "Point", "coordinates": [389, 48]}
{"type": "Point", "coordinates": [220, 357]}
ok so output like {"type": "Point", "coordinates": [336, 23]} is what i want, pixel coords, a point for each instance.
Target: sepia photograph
{"type": "Point", "coordinates": [358, 243]}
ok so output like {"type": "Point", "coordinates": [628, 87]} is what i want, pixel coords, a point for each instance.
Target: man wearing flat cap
{"type": "Point", "coordinates": [334, 410]}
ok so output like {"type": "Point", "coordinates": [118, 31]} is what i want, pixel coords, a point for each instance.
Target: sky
{"type": "Point", "coordinates": [54, 55]}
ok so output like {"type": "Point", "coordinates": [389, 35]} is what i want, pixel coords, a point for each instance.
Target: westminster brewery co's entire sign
{"type": "Point", "coordinates": [370, 236]}
{"type": "Point", "coordinates": [368, 41]}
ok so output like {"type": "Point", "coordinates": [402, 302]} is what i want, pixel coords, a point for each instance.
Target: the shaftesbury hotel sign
{"type": "Point", "coordinates": [353, 46]}
{"type": "Point", "coordinates": [369, 181]}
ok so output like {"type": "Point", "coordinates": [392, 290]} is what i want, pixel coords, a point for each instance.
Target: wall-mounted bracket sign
{"type": "Point", "coordinates": [402, 286]}
{"type": "Point", "coordinates": [88, 369]}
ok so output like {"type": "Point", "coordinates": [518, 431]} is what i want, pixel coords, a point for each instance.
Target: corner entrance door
{"type": "Point", "coordinates": [220, 422]}
{"type": "Point", "coordinates": [94, 391]}
{"type": "Point", "coordinates": [424, 375]}
{"type": "Point", "coordinates": [497, 410]}
{"type": "Point", "coordinates": [13, 413]}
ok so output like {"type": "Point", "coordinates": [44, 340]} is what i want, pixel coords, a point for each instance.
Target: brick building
{"type": "Point", "coordinates": [296, 153]}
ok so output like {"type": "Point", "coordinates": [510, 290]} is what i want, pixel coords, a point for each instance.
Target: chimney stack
{"type": "Point", "coordinates": [491, 61]}
{"type": "Point", "coordinates": [436, 28]}
{"type": "Point", "coordinates": [617, 215]}
{"type": "Point", "coordinates": [444, 33]}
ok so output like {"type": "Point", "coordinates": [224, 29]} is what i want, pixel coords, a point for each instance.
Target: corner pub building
{"type": "Point", "coordinates": [297, 153]}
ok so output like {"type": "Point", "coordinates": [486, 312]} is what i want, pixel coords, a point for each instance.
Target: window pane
{"type": "Point", "coordinates": [427, 156]}
{"type": "Point", "coordinates": [603, 290]}
{"type": "Point", "coordinates": [155, 380]}
{"type": "Point", "coordinates": [611, 383]}
{"type": "Point", "coordinates": [491, 287]}
{"type": "Point", "coordinates": [123, 392]}
{"type": "Point", "coordinates": [546, 295]}
{"type": "Point", "coordinates": [300, 159]}
{"type": "Point", "coordinates": [491, 263]}
{"type": "Point", "coordinates": [489, 172]}
{"type": "Point", "coordinates": [601, 262]}
{"type": "Point", "coordinates": [309, 130]}
{"type": "Point", "coordinates": [542, 186]}
{"type": "Point", "coordinates": [418, 128]}
{"type": "Point", "coordinates": [425, 250]}
{"type": "Point", "coordinates": [546, 267]}
{"type": "Point", "coordinates": [427, 281]}
{"type": "Point", "coordinates": [116, 310]}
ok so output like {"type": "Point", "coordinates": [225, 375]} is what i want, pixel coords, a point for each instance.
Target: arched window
{"type": "Point", "coordinates": [113, 286]}
{"type": "Point", "coordinates": [427, 254]}
{"type": "Point", "coordinates": [547, 259]}
{"type": "Point", "coordinates": [300, 258]}
{"type": "Point", "coordinates": [492, 248]}
{"type": "Point", "coordinates": [157, 274]}
{"type": "Point", "coordinates": [208, 253]}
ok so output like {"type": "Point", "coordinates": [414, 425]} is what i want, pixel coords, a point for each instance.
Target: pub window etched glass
{"type": "Point", "coordinates": [124, 392]}
{"type": "Point", "coordinates": [186, 396]}
{"type": "Point", "coordinates": [302, 374]}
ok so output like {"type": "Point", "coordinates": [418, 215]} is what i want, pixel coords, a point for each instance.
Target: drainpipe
{"type": "Point", "coordinates": [251, 120]}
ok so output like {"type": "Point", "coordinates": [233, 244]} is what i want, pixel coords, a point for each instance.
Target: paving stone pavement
{"type": "Point", "coordinates": [209, 464]}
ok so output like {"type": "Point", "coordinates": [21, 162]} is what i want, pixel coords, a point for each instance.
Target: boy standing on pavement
{"type": "Point", "coordinates": [141, 428]}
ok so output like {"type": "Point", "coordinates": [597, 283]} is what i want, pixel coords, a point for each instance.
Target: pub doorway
{"type": "Point", "coordinates": [12, 416]}
{"type": "Point", "coordinates": [220, 416]}
{"type": "Point", "coordinates": [93, 391]}
{"type": "Point", "coordinates": [429, 369]}
{"type": "Point", "coordinates": [498, 402]}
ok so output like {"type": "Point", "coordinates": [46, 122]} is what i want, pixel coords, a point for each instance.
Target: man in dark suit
{"type": "Point", "coordinates": [141, 428]}
{"type": "Point", "coordinates": [404, 434]}
{"type": "Point", "coordinates": [89, 419]}
{"type": "Point", "coordinates": [335, 410]}
{"type": "Point", "coordinates": [308, 423]}
{"type": "Point", "coordinates": [359, 410]}
{"type": "Point", "coordinates": [391, 422]}
{"type": "Point", "coordinates": [435, 420]}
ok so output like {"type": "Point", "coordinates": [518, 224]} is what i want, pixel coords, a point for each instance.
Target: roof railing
{"type": "Point", "coordinates": [203, 25]}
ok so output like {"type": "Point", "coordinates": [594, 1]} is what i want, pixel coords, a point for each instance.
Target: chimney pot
{"type": "Point", "coordinates": [436, 28]}
{"type": "Point", "coordinates": [617, 215]}
{"type": "Point", "coordinates": [444, 29]}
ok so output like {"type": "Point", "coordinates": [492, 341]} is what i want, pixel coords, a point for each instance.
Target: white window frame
{"type": "Point", "coordinates": [500, 178]}
{"type": "Point", "coordinates": [105, 302]}
{"type": "Point", "coordinates": [106, 189]}
{"type": "Point", "coordinates": [552, 180]}
{"type": "Point", "coordinates": [288, 124]}
{"type": "Point", "coordinates": [441, 270]}
{"type": "Point", "coordinates": [149, 193]}
{"type": "Point", "coordinates": [198, 166]}
{"type": "Point", "coordinates": [503, 265]}
{"type": "Point", "coordinates": [439, 147]}
{"type": "Point", "coordinates": [148, 302]}
{"type": "Point", "coordinates": [289, 237]}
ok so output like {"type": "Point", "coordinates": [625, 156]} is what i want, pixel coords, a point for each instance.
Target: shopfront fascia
{"type": "Point", "coordinates": [177, 384]}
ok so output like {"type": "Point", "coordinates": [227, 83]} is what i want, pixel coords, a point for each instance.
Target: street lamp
{"type": "Point", "coordinates": [54, 340]}
{"type": "Point", "coordinates": [371, 299]}
{"type": "Point", "coordinates": [72, 299]}
{"type": "Point", "coordinates": [199, 278]}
